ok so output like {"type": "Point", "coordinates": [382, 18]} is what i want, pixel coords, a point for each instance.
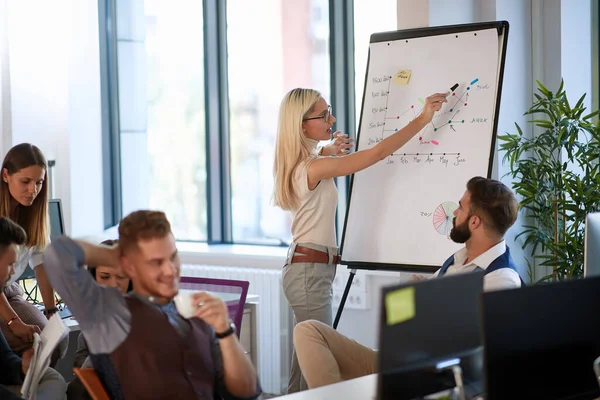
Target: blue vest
{"type": "Point", "coordinates": [503, 261]}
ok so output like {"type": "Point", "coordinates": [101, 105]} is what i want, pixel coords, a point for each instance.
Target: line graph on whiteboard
{"type": "Point", "coordinates": [452, 119]}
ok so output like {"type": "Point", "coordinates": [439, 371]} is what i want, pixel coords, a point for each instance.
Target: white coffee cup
{"type": "Point", "coordinates": [185, 305]}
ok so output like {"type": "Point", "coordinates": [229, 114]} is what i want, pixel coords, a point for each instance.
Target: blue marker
{"type": "Point", "coordinates": [474, 81]}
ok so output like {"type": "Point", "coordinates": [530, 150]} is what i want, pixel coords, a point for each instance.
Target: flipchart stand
{"type": "Point", "coordinates": [364, 226]}
{"type": "Point", "coordinates": [338, 315]}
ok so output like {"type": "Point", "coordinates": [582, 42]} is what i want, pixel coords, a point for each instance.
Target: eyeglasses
{"type": "Point", "coordinates": [325, 117]}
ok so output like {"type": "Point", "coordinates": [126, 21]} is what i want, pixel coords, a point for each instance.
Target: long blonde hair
{"type": "Point", "coordinates": [33, 219]}
{"type": "Point", "coordinates": [292, 146]}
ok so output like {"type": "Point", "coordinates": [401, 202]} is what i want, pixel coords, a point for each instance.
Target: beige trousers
{"type": "Point", "coordinates": [307, 287]}
{"type": "Point", "coordinates": [326, 356]}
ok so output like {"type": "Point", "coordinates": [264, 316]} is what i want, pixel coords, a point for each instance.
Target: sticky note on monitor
{"type": "Point", "coordinates": [402, 77]}
{"type": "Point", "coordinates": [400, 305]}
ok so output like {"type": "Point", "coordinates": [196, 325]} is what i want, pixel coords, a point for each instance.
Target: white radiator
{"type": "Point", "coordinates": [274, 336]}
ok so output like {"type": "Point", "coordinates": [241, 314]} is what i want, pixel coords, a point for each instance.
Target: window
{"type": "Point", "coordinates": [192, 89]}
{"type": "Point", "coordinates": [161, 111]}
{"type": "Point", "coordinates": [176, 126]}
{"type": "Point", "coordinates": [366, 22]}
{"type": "Point", "coordinates": [288, 48]}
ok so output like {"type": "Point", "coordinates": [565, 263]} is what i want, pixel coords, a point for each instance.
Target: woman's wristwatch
{"type": "Point", "coordinates": [50, 311]}
{"type": "Point", "coordinates": [228, 332]}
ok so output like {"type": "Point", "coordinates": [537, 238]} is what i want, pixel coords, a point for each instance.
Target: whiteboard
{"type": "Point", "coordinates": [400, 210]}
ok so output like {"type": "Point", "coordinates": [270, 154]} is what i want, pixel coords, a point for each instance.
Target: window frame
{"type": "Point", "coordinates": [109, 94]}
{"type": "Point", "coordinates": [216, 101]}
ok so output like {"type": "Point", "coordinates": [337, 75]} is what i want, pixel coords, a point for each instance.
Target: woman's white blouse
{"type": "Point", "coordinates": [26, 255]}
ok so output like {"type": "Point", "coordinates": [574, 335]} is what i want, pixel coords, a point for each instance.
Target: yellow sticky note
{"type": "Point", "coordinates": [400, 305]}
{"type": "Point", "coordinates": [402, 77]}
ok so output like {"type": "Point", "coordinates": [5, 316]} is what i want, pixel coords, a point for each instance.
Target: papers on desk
{"type": "Point", "coordinates": [43, 347]}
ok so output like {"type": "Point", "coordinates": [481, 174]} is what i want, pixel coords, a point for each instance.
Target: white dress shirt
{"type": "Point", "coordinates": [503, 278]}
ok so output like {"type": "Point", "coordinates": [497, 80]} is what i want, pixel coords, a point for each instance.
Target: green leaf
{"type": "Point", "coordinates": [543, 89]}
{"type": "Point", "coordinates": [542, 123]}
{"type": "Point", "coordinates": [591, 115]}
{"type": "Point", "coordinates": [560, 88]}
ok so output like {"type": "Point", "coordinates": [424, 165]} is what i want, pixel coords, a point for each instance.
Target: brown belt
{"type": "Point", "coordinates": [309, 255]}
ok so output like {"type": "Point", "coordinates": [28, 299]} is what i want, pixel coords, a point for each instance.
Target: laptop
{"type": "Point", "coordinates": [424, 324]}
{"type": "Point", "coordinates": [541, 341]}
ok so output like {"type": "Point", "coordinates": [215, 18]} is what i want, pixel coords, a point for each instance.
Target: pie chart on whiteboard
{"type": "Point", "coordinates": [442, 217]}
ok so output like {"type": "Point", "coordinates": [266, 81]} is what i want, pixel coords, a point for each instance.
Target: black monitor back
{"type": "Point", "coordinates": [57, 222]}
{"type": "Point", "coordinates": [445, 325]}
{"type": "Point", "coordinates": [540, 342]}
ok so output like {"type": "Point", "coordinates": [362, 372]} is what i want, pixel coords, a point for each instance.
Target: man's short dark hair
{"type": "Point", "coordinates": [493, 202]}
{"type": "Point", "coordinates": [10, 233]}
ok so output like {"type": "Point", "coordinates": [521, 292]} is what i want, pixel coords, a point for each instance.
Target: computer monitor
{"type": "Point", "coordinates": [591, 260]}
{"type": "Point", "coordinates": [57, 223]}
{"type": "Point", "coordinates": [540, 342]}
{"type": "Point", "coordinates": [424, 323]}
{"type": "Point", "coordinates": [57, 228]}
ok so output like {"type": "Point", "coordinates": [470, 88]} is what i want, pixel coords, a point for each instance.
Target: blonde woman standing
{"type": "Point", "coordinates": [304, 186]}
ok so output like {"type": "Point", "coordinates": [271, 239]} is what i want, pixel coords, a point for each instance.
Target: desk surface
{"type": "Point", "coordinates": [363, 388]}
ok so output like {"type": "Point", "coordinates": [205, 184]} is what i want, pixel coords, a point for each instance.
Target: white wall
{"type": "Point", "coordinates": [5, 135]}
{"type": "Point", "coordinates": [38, 67]}
{"type": "Point", "coordinates": [84, 129]}
{"type": "Point", "coordinates": [53, 93]}
{"type": "Point", "coordinates": [576, 49]}
{"type": "Point", "coordinates": [444, 12]}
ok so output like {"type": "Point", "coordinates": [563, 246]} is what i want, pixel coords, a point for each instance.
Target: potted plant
{"type": "Point", "coordinates": [556, 175]}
